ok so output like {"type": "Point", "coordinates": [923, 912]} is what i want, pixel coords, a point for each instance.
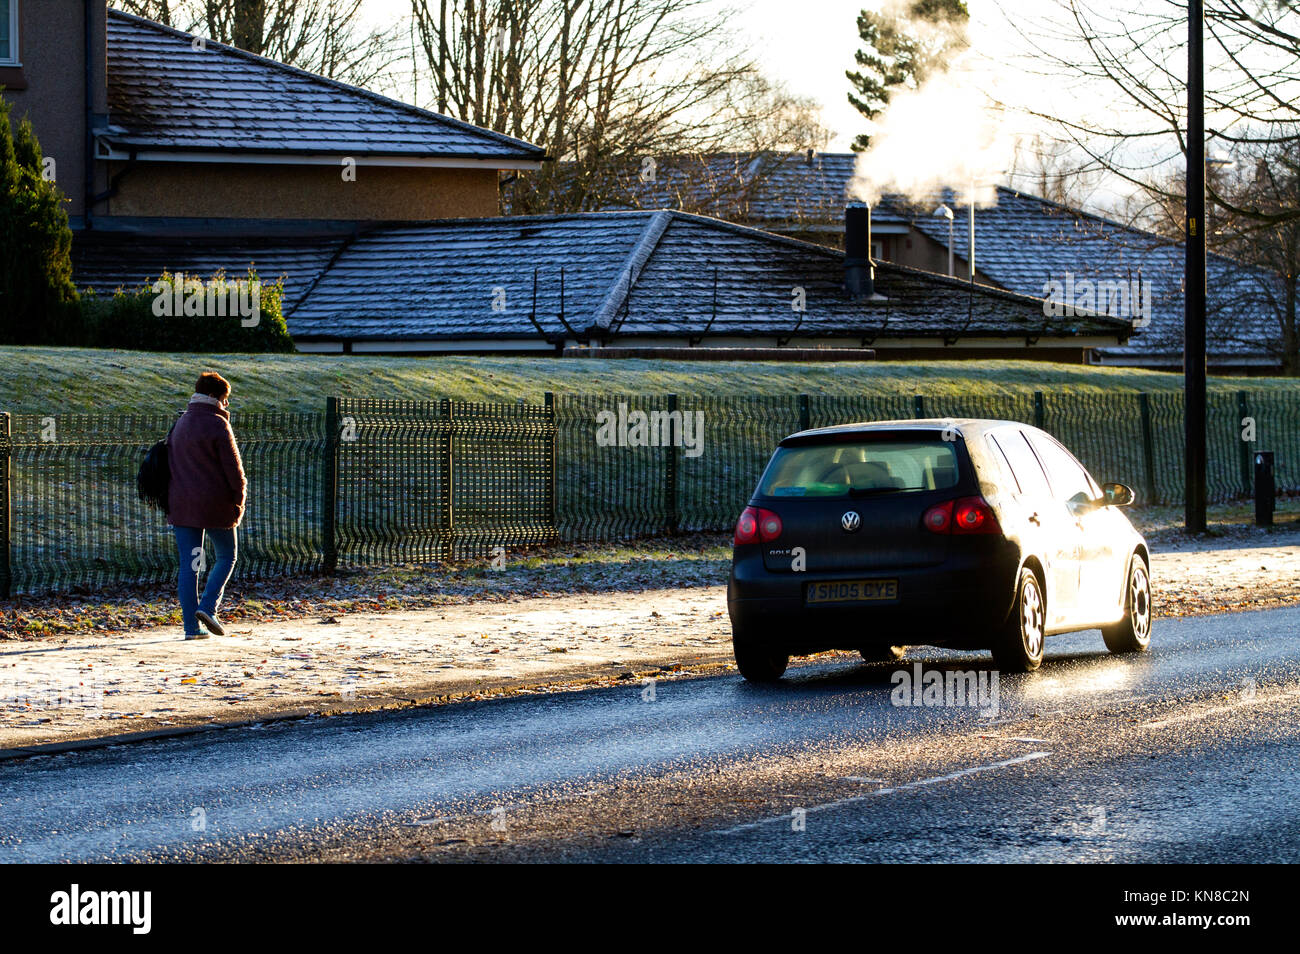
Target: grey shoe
{"type": "Point", "coordinates": [198, 635]}
{"type": "Point", "coordinates": [210, 622]}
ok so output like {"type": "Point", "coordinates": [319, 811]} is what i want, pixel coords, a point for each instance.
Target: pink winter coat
{"type": "Point", "coordinates": [207, 476]}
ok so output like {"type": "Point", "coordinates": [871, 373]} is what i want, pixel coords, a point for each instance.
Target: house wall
{"type": "Point", "coordinates": [213, 190]}
{"type": "Point", "coordinates": [920, 251]}
{"type": "Point", "coordinates": [49, 86]}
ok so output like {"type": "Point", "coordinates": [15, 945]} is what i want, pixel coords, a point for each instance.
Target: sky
{"type": "Point", "coordinates": [809, 44]}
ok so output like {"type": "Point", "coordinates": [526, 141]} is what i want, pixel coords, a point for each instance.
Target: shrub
{"type": "Point", "coordinates": [38, 302]}
{"type": "Point", "coordinates": [184, 313]}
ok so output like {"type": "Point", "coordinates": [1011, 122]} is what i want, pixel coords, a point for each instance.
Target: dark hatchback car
{"type": "Point", "coordinates": [971, 534]}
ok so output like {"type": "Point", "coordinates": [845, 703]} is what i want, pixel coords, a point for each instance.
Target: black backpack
{"type": "Point", "coordinates": [155, 475]}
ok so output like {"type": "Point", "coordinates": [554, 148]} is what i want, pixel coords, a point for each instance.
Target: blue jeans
{"type": "Point", "coordinates": [189, 546]}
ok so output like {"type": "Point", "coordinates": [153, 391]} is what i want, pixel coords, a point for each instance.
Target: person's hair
{"type": "Point", "coordinates": [213, 385]}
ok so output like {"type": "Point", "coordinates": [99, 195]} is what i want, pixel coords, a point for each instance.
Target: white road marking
{"type": "Point", "coordinates": [906, 786]}
{"type": "Point", "coordinates": [1015, 738]}
{"type": "Point", "coordinates": [1217, 710]}
{"type": "Point", "coordinates": [1193, 716]}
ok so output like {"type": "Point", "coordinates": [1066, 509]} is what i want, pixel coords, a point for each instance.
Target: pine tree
{"type": "Point", "coordinates": [902, 46]}
{"type": "Point", "coordinates": [37, 297]}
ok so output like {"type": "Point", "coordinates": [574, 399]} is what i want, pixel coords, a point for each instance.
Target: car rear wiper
{"type": "Point", "coordinates": [871, 491]}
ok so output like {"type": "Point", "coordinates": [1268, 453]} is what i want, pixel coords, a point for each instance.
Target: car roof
{"type": "Point", "coordinates": [964, 426]}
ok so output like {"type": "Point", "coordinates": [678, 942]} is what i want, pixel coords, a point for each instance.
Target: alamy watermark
{"type": "Point", "coordinates": [217, 298]}
{"type": "Point", "coordinates": [624, 428]}
{"type": "Point", "coordinates": [87, 694]}
{"type": "Point", "coordinates": [977, 689]}
{"type": "Point", "coordinates": [126, 908]}
{"type": "Point", "coordinates": [1119, 298]}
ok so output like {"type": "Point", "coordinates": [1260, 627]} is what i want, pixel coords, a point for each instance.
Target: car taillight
{"type": "Point", "coordinates": [965, 515]}
{"type": "Point", "coordinates": [747, 527]}
{"type": "Point", "coordinates": [973, 515]}
{"type": "Point", "coordinates": [938, 519]}
{"type": "Point", "coordinates": [757, 524]}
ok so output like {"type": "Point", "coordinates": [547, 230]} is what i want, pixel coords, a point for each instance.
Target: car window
{"type": "Point", "coordinates": [1070, 482]}
{"type": "Point", "coordinates": [1024, 465]}
{"type": "Point", "coordinates": [860, 468]}
{"type": "Point", "coordinates": [999, 458]}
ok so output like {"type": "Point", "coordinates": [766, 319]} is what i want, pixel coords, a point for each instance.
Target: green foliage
{"type": "Point", "coordinates": [219, 315]}
{"type": "Point", "coordinates": [38, 302]}
{"type": "Point", "coordinates": [903, 44]}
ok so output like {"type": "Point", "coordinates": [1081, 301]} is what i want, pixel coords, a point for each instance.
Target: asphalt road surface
{"type": "Point", "coordinates": [1189, 753]}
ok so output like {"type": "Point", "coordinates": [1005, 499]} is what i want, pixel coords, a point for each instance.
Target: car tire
{"type": "Point", "coordinates": [1132, 634]}
{"type": "Point", "coordinates": [757, 659]}
{"type": "Point", "coordinates": [882, 653]}
{"type": "Point", "coordinates": [1019, 646]}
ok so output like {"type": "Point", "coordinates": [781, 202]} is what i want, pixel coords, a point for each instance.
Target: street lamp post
{"type": "Point", "coordinates": [1194, 300]}
{"type": "Point", "coordinates": [970, 260]}
{"type": "Point", "coordinates": [947, 214]}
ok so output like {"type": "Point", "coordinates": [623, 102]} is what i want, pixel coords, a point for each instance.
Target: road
{"type": "Point", "coordinates": [1189, 753]}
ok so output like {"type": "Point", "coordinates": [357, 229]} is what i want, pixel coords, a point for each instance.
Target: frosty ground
{"type": "Point", "coordinates": [514, 633]}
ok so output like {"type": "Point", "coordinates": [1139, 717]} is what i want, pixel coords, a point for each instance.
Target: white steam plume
{"type": "Point", "coordinates": [947, 133]}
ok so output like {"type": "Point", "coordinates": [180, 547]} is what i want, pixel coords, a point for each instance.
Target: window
{"type": "Point", "coordinates": [1024, 465]}
{"type": "Point", "coordinates": [999, 457]}
{"type": "Point", "coordinates": [1070, 481]}
{"type": "Point", "coordinates": [9, 32]}
{"type": "Point", "coordinates": [860, 468]}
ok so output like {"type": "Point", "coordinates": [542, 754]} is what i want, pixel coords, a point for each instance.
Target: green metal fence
{"type": "Point", "coordinates": [629, 488]}
{"type": "Point", "coordinates": [421, 481]}
{"type": "Point", "coordinates": [380, 482]}
{"type": "Point", "coordinates": [75, 521]}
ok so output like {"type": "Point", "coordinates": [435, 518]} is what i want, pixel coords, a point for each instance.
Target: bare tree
{"type": "Point", "coordinates": [322, 36]}
{"type": "Point", "coordinates": [1252, 118]}
{"type": "Point", "coordinates": [601, 85]}
{"type": "Point", "coordinates": [1052, 169]}
{"type": "Point", "coordinates": [1251, 227]}
{"type": "Point", "coordinates": [1252, 85]}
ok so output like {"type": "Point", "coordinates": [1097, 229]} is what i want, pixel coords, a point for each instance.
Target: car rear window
{"type": "Point", "coordinates": [860, 468]}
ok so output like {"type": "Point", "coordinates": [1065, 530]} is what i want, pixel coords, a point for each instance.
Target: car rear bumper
{"type": "Point", "coordinates": [959, 602]}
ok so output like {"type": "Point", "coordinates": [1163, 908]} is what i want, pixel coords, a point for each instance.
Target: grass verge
{"type": "Point", "coordinates": [71, 380]}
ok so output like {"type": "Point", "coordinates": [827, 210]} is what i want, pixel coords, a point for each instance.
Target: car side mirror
{"type": "Point", "coordinates": [1116, 495]}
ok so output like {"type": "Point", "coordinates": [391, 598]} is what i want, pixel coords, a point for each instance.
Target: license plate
{"type": "Point", "coordinates": [852, 591]}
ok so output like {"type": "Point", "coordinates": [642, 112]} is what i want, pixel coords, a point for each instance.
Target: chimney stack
{"type": "Point", "coordinates": [859, 270]}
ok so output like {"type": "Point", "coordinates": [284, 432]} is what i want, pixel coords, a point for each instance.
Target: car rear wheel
{"type": "Point", "coordinates": [882, 653]}
{"type": "Point", "coordinates": [1132, 634]}
{"type": "Point", "coordinates": [1019, 647]}
{"type": "Point", "coordinates": [757, 659]}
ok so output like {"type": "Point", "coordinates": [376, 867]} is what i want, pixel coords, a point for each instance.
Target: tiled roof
{"type": "Point", "coordinates": [471, 278]}
{"type": "Point", "coordinates": [688, 276]}
{"type": "Point", "coordinates": [106, 262]}
{"type": "Point", "coordinates": [768, 189]}
{"type": "Point", "coordinates": [166, 95]}
{"type": "Point", "coordinates": [1023, 242]}
{"type": "Point", "coordinates": [475, 278]}
{"type": "Point", "coordinates": [756, 273]}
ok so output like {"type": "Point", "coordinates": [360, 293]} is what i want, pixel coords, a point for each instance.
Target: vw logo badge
{"type": "Point", "coordinates": [851, 521]}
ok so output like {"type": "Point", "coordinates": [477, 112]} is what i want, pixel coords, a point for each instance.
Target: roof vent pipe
{"type": "Point", "coordinates": [859, 269]}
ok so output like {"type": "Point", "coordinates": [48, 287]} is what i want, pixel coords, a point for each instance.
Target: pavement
{"type": "Point", "coordinates": [70, 692]}
{"type": "Point", "coordinates": [1187, 753]}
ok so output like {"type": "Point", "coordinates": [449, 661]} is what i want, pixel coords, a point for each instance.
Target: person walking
{"type": "Point", "coordinates": [205, 498]}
